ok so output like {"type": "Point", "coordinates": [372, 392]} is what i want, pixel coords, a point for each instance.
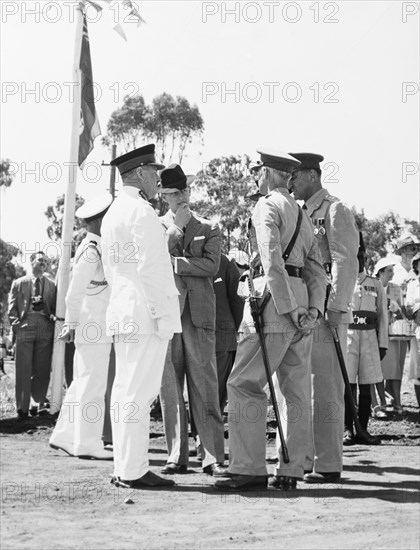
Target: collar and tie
{"type": "Point", "coordinates": [37, 302]}
{"type": "Point", "coordinates": [143, 195]}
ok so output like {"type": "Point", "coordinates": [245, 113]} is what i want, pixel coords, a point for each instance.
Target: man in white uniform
{"type": "Point", "coordinates": [79, 428]}
{"type": "Point", "coordinates": [142, 316]}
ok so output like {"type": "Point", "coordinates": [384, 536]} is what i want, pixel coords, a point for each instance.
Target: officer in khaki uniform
{"type": "Point", "coordinates": [367, 342]}
{"type": "Point", "coordinates": [297, 294]}
{"type": "Point", "coordinates": [338, 239]}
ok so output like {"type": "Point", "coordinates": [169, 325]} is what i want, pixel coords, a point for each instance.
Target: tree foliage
{"type": "Point", "coordinates": [9, 270]}
{"type": "Point", "coordinates": [219, 192]}
{"type": "Point", "coordinates": [128, 123]}
{"type": "Point", "coordinates": [55, 215]}
{"type": "Point", "coordinates": [381, 233]}
{"type": "Point", "coordinates": [171, 123]}
{"type": "Point", "coordinates": [6, 178]}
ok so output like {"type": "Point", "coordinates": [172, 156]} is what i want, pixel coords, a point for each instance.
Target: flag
{"type": "Point", "coordinates": [89, 123]}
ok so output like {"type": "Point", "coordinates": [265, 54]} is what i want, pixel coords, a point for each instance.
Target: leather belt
{"type": "Point", "coordinates": [294, 271]}
{"type": "Point", "coordinates": [364, 320]}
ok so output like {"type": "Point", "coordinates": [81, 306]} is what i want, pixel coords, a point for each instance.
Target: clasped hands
{"type": "Point", "coordinates": [304, 319]}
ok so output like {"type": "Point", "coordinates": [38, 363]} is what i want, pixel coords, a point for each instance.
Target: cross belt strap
{"type": "Point", "coordinates": [294, 271]}
{"type": "Point", "coordinates": [290, 246]}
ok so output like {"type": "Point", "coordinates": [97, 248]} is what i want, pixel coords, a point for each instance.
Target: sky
{"type": "Point", "coordinates": [336, 78]}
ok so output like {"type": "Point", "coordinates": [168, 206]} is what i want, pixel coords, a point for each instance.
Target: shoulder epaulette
{"type": "Point", "coordinates": [331, 198]}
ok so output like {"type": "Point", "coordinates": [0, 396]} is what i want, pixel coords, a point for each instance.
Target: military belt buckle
{"type": "Point", "coordinates": [360, 320]}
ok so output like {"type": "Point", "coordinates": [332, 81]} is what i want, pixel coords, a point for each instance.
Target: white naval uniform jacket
{"type": "Point", "coordinates": [138, 268]}
{"type": "Point", "coordinates": [275, 218]}
{"type": "Point", "coordinates": [88, 294]}
{"type": "Point", "coordinates": [338, 242]}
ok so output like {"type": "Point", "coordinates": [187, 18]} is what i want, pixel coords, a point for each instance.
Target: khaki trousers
{"type": "Point", "coordinates": [327, 401]}
{"type": "Point", "coordinates": [289, 355]}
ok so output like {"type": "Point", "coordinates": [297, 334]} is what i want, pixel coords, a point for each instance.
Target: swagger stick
{"type": "Point", "coordinates": [349, 393]}
{"type": "Point", "coordinates": [256, 313]}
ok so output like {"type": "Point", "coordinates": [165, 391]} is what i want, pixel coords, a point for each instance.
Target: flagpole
{"type": "Point", "coordinates": [57, 375]}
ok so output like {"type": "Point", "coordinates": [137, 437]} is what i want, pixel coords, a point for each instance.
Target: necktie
{"type": "Point", "coordinates": [37, 303]}
{"type": "Point", "coordinates": [304, 207]}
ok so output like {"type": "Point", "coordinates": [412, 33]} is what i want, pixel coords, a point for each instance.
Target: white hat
{"type": "Point", "coordinates": [385, 262]}
{"type": "Point", "coordinates": [405, 240]}
{"type": "Point", "coordinates": [240, 256]}
{"type": "Point", "coordinates": [94, 207]}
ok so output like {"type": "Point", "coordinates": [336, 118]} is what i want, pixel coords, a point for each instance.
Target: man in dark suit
{"type": "Point", "coordinates": [31, 313]}
{"type": "Point", "coordinates": [194, 244]}
{"type": "Point", "coordinates": [229, 311]}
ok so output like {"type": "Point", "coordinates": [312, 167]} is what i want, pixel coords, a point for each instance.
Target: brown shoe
{"type": "Point", "coordinates": [284, 483]}
{"type": "Point", "coordinates": [216, 470]}
{"type": "Point", "coordinates": [172, 468]}
{"type": "Point", "coordinates": [236, 481]}
{"type": "Point", "coordinates": [322, 477]}
{"type": "Point", "coordinates": [148, 480]}
{"type": "Point", "coordinates": [364, 438]}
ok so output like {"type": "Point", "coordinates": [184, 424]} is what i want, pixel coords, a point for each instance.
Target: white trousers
{"type": "Point", "coordinates": [138, 375]}
{"type": "Point", "coordinates": [80, 424]}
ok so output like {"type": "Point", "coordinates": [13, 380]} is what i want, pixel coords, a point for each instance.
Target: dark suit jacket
{"type": "Point", "coordinates": [198, 257]}
{"type": "Point", "coordinates": [229, 306]}
{"type": "Point", "coordinates": [20, 298]}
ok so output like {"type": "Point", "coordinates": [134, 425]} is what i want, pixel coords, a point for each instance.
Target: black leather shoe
{"type": "Point", "coordinates": [348, 438]}
{"type": "Point", "coordinates": [216, 470]}
{"type": "Point", "coordinates": [148, 480]}
{"type": "Point", "coordinates": [284, 483]}
{"type": "Point", "coordinates": [236, 481]}
{"type": "Point", "coordinates": [62, 448]}
{"type": "Point", "coordinates": [364, 438]}
{"type": "Point", "coordinates": [322, 477]}
{"type": "Point", "coordinates": [172, 468]}
{"type": "Point", "coordinates": [22, 415]}
{"type": "Point", "coordinates": [33, 411]}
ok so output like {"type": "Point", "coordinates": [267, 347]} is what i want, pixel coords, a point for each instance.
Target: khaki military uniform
{"type": "Point", "coordinates": [275, 219]}
{"type": "Point", "coordinates": [338, 241]}
{"type": "Point", "coordinates": [370, 315]}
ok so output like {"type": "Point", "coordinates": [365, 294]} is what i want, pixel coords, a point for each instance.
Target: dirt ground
{"type": "Point", "coordinates": [53, 501]}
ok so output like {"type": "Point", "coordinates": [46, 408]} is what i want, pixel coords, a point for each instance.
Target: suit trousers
{"type": "Point", "coordinates": [80, 424]}
{"type": "Point", "coordinates": [34, 345]}
{"type": "Point", "coordinates": [289, 355]}
{"type": "Point", "coordinates": [139, 364]}
{"type": "Point", "coordinates": [192, 356]}
{"type": "Point", "coordinates": [327, 401]}
{"type": "Point", "coordinates": [224, 361]}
